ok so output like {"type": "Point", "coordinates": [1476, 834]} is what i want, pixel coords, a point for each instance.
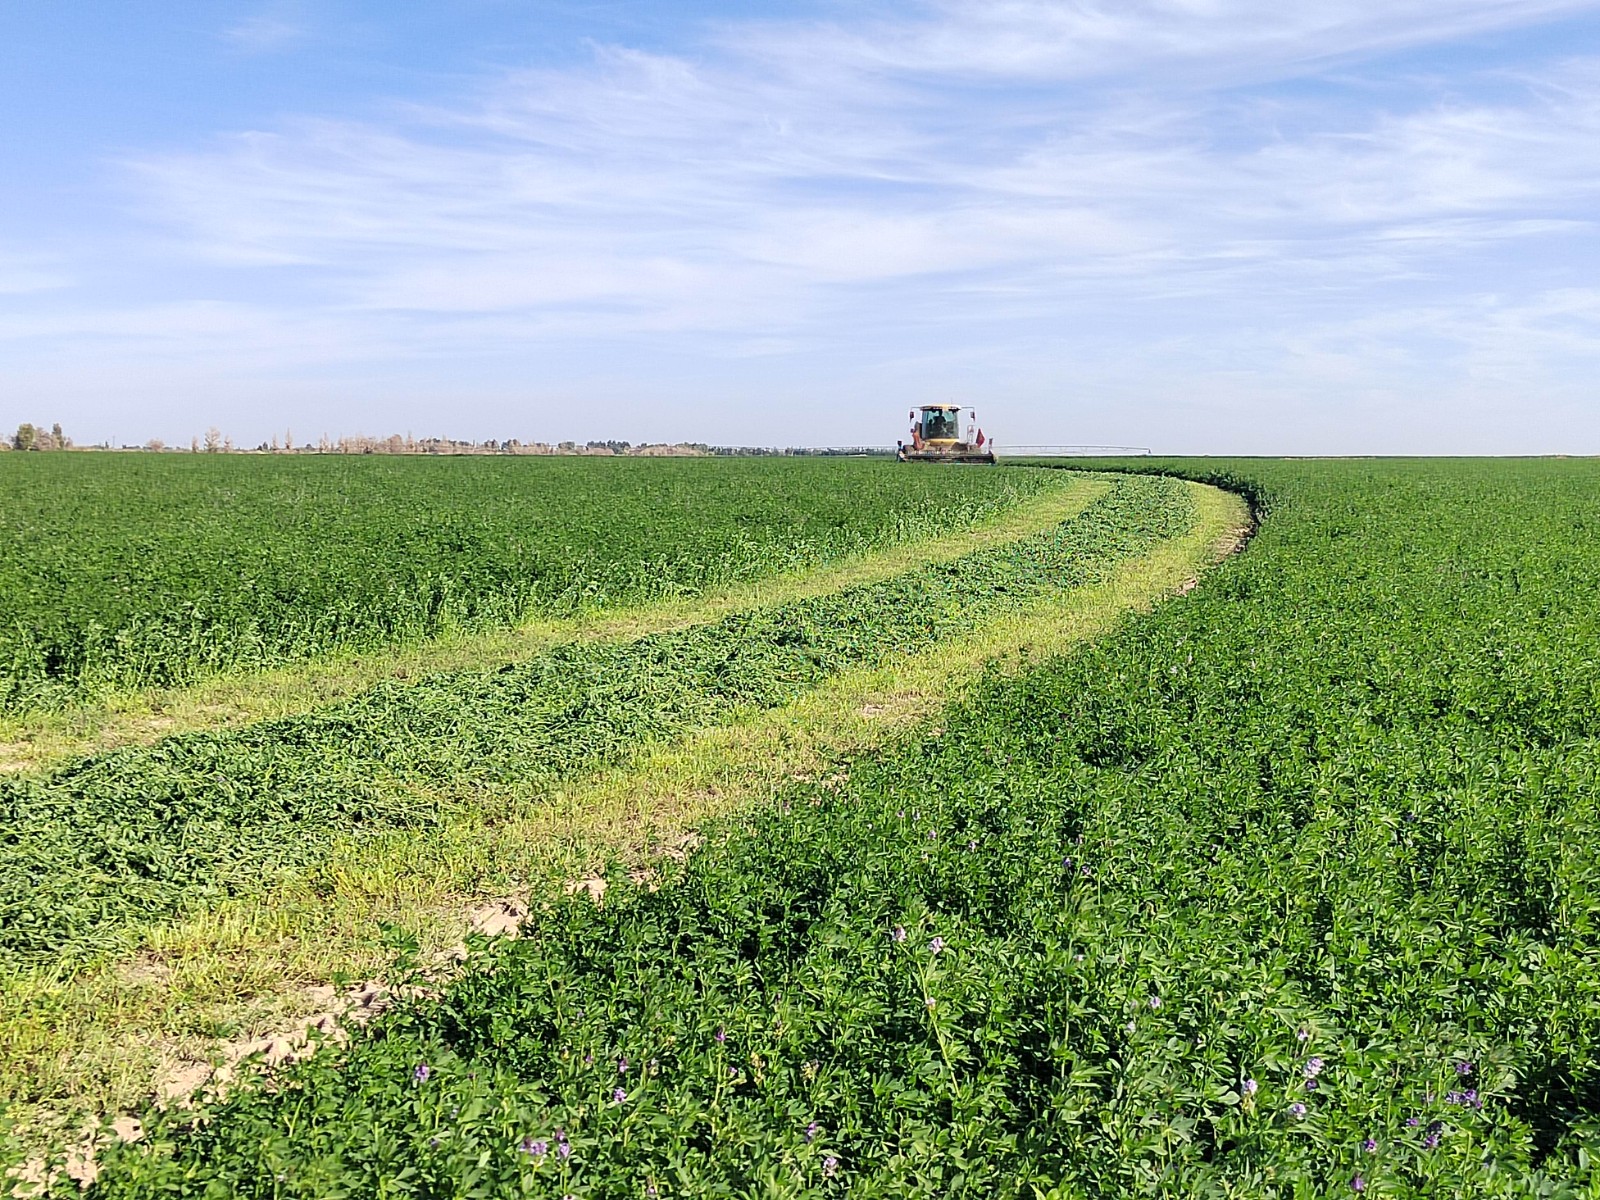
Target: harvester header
{"type": "Point", "coordinates": [936, 437]}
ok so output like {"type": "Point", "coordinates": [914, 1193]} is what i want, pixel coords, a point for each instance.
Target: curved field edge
{"type": "Point", "coordinates": [40, 741]}
{"type": "Point", "coordinates": [259, 965]}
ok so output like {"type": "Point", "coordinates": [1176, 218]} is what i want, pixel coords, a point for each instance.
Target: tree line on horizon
{"type": "Point", "coordinates": [34, 437]}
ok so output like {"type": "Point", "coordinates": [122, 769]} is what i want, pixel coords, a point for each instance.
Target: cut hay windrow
{"type": "Point", "coordinates": [127, 572]}
{"type": "Point", "coordinates": [145, 833]}
{"type": "Point", "coordinates": [1288, 888]}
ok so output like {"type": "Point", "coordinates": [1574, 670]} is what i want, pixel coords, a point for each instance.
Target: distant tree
{"type": "Point", "coordinates": [213, 440]}
{"type": "Point", "coordinates": [26, 437]}
{"type": "Point", "coordinates": [59, 438]}
{"type": "Point", "coordinates": [155, 444]}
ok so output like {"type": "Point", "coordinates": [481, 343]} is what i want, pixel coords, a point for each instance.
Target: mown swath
{"type": "Point", "coordinates": [1286, 885]}
{"type": "Point", "coordinates": [126, 572]}
{"type": "Point", "coordinates": [141, 834]}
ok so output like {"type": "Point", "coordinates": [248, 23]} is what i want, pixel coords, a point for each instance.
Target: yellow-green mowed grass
{"type": "Point", "coordinates": [38, 741]}
{"type": "Point", "coordinates": [102, 1040]}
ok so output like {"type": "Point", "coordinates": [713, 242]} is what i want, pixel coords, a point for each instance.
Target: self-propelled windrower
{"type": "Point", "coordinates": [936, 437]}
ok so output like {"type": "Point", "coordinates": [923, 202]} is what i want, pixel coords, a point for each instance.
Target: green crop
{"type": "Point", "coordinates": [142, 833]}
{"type": "Point", "coordinates": [123, 572]}
{"type": "Point", "coordinates": [1287, 889]}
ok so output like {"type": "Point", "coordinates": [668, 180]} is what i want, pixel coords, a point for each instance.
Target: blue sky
{"type": "Point", "coordinates": [1204, 226]}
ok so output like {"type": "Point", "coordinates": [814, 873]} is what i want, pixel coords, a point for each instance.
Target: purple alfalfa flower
{"type": "Point", "coordinates": [933, 835]}
{"type": "Point", "coordinates": [721, 1035]}
{"type": "Point", "coordinates": [1370, 1145]}
{"type": "Point", "coordinates": [1313, 1067]}
{"type": "Point", "coordinates": [622, 1066]}
{"type": "Point", "coordinates": [1249, 1087]}
{"type": "Point", "coordinates": [538, 1149]}
{"type": "Point", "coordinates": [1358, 1184]}
{"type": "Point", "coordinates": [620, 1096]}
{"type": "Point", "coordinates": [972, 844]}
{"type": "Point", "coordinates": [1311, 1085]}
{"type": "Point", "coordinates": [830, 1167]}
{"type": "Point", "coordinates": [1155, 1002]}
{"type": "Point", "coordinates": [1066, 864]}
{"type": "Point", "coordinates": [1413, 1122]}
{"type": "Point", "coordinates": [898, 933]}
{"type": "Point", "coordinates": [1302, 1035]}
{"type": "Point", "coordinates": [937, 945]}
{"type": "Point", "coordinates": [420, 1073]}
{"type": "Point", "coordinates": [650, 1191]}
{"type": "Point", "coordinates": [1297, 1109]}
{"type": "Point", "coordinates": [1464, 1067]}
{"type": "Point", "coordinates": [811, 1132]}
{"type": "Point", "coordinates": [433, 1143]}
{"type": "Point", "coordinates": [1431, 1140]}
{"type": "Point", "coordinates": [563, 1150]}
{"type": "Point", "coordinates": [1086, 873]}
{"type": "Point", "coordinates": [588, 1060]}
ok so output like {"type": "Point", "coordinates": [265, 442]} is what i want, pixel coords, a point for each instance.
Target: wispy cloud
{"type": "Point", "coordinates": [264, 34]}
{"type": "Point", "coordinates": [1054, 40]}
{"type": "Point", "coordinates": [23, 273]}
{"type": "Point", "coordinates": [653, 183]}
{"type": "Point", "coordinates": [1179, 180]}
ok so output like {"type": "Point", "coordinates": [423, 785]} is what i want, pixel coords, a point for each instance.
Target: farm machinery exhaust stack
{"type": "Point", "coordinates": [936, 437]}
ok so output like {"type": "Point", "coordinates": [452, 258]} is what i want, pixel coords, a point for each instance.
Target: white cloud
{"type": "Point", "coordinates": [24, 275]}
{"type": "Point", "coordinates": [1082, 182]}
{"type": "Point", "coordinates": [655, 182]}
{"type": "Point", "coordinates": [1084, 39]}
{"type": "Point", "coordinates": [263, 34]}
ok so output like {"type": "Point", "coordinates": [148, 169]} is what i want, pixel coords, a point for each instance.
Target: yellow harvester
{"type": "Point", "coordinates": [936, 437]}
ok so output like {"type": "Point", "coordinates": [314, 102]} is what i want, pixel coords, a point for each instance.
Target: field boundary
{"type": "Point", "coordinates": [37, 742]}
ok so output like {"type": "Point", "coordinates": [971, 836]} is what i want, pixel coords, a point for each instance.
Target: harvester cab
{"type": "Point", "coordinates": [936, 437]}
